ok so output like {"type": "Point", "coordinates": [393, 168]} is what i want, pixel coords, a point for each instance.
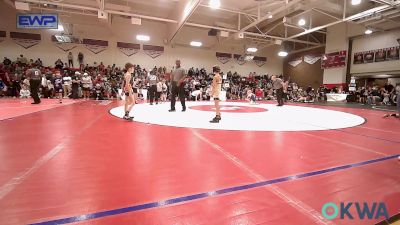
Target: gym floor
{"type": "Point", "coordinates": [76, 163]}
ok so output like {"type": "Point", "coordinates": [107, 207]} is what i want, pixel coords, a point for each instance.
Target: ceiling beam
{"type": "Point", "coordinates": [274, 12]}
{"type": "Point", "coordinates": [250, 33]}
{"type": "Point", "coordinates": [301, 28]}
{"type": "Point", "coordinates": [350, 18]}
{"type": "Point", "coordinates": [264, 6]}
{"type": "Point", "coordinates": [182, 13]}
{"type": "Point", "coordinates": [230, 10]}
{"type": "Point", "coordinates": [326, 14]}
{"type": "Point", "coordinates": [281, 38]}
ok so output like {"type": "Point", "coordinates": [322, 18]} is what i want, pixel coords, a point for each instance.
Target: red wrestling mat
{"type": "Point", "coordinates": [11, 108]}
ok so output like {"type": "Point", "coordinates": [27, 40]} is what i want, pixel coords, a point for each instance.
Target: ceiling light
{"type": "Point", "coordinates": [282, 53]}
{"type": "Point", "coordinates": [141, 37]}
{"type": "Point", "coordinates": [270, 16]}
{"type": "Point", "coordinates": [355, 2]}
{"type": "Point", "coordinates": [196, 43]}
{"type": "Point", "coordinates": [252, 49]}
{"type": "Point", "coordinates": [301, 22]}
{"type": "Point", "coordinates": [368, 31]}
{"type": "Point", "coordinates": [215, 4]}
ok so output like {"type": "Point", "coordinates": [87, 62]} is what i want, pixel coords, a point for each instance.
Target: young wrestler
{"type": "Point", "coordinates": [215, 92]}
{"type": "Point", "coordinates": [128, 89]}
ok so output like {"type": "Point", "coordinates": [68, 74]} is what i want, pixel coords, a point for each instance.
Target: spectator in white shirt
{"type": "Point", "coordinates": [86, 85]}
{"type": "Point", "coordinates": [24, 93]}
{"type": "Point", "coordinates": [67, 85]}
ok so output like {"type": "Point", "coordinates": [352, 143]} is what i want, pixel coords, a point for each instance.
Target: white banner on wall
{"type": "Point", "coordinates": [95, 46]}
{"type": "Point", "coordinates": [66, 47]}
{"type": "Point", "coordinates": [311, 59]}
{"type": "Point", "coordinates": [25, 40]}
{"type": "Point", "coordinates": [296, 61]}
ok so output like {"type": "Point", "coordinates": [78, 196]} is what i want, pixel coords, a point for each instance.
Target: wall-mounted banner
{"type": "Point", "coordinates": [311, 59]}
{"type": "Point", "coordinates": [393, 53]}
{"type": "Point", "coordinates": [25, 40]}
{"type": "Point", "coordinates": [153, 51]}
{"type": "Point", "coordinates": [128, 49]}
{"type": "Point", "coordinates": [369, 56]}
{"type": "Point", "coordinates": [260, 61]}
{"type": "Point", "coordinates": [239, 59]}
{"type": "Point", "coordinates": [333, 60]}
{"type": "Point", "coordinates": [65, 43]}
{"type": "Point", "coordinates": [95, 46]}
{"type": "Point", "coordinates": [358, 58]}
{"type": "Point", "coordinates": [2, 36]}
{"type": "Point", "coordinates": [37, 21]}
{"type": "Point", "coordinates": [296, 61]}
{"type": "Point", "coordinates": [223, 57]}
{"type": "Point", "coordinates": [380, 55]}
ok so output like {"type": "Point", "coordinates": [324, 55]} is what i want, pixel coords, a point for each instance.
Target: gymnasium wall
{"type": "Point", "coordinates": [374, 42]}
{"type": "Point", "coordinates": [305, 74]}
{"type": "Point", "coordinates": [122, 31]}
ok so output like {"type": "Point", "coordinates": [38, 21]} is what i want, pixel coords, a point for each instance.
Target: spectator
{"type": "Point", "coordinates": [59, 64]}
{"type": "Point", "coordinates": [6, 61]}
{"type": "Point", "coordinates": [58, 85]}
{"type": "Point", "coordinates": [24, 93]}
{"type": "Point", "coordinates": [86, 85]}
{"type": "Point", "coordinates": [70, 60]}
{"type": "Point", "coordinates": [67, 85]}
{"type": "Point", "coordinates": [80, 60]}
{"type": "Point", "coordinates": [39, 62]}
{"type": "Point", "coordinates": [75, 85]}
{"type": "Point", "coordinates": [50, 89]}
{"type": "Point", "coordinates": [22, 61]}
{"type": "Point", "coordinates": [43, 84]}
{"type": "Point", "coordinates": [3, 87]}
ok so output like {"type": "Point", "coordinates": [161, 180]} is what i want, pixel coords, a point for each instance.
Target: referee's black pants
{"type": "Point", "coordinates": [175, 91]}
{"type": "Point", "coordinates": [279, 96]}
{"type": "Point", "coordinates": [35, 84]}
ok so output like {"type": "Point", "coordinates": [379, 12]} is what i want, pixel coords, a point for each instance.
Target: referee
{"type": "Point", "coordinates": [277, 84]}
{"type": "Point", "coordinates": [35, 79]}
{"type": "Point", "coordinates": [178, 77]}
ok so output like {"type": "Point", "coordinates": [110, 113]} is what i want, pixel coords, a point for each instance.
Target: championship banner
{"type": "Point", "coordinates": [369, 56]}
{"type": "Point", "coordinates": [128, 49]}
{"type": "Point", "coordinates": [333, 60]}
{"type": "Point", "coordinates": [296, 61]}
{"type": "Point", "coordinates": [393, 53]}
{"type": "Point", "coordinates": [358, 58]}
{"type": "Point", "coordinates": [153, 51]}
{"type": "Point", "coordinates": [380, 55]}
{"type": "Point", "coordinates": [95, 46]}
{"type": "Point", "coordinates": [2, 36]}
{"type": "Point", "coordinates": [239, 59]}
{"type": "Point", "coordinates": [25, 40]}
{"type": "Point", "coordinates": [260, 61]}
{"type": "Point", "coordinates": [65, 45]}
{"type": "Point", "coordinates": [311, 59]}
{"type": "Point", "coordinates": [223, 57]}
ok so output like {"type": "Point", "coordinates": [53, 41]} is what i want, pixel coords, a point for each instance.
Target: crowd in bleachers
{"type": "Point", "coordinates": [103, 82]}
